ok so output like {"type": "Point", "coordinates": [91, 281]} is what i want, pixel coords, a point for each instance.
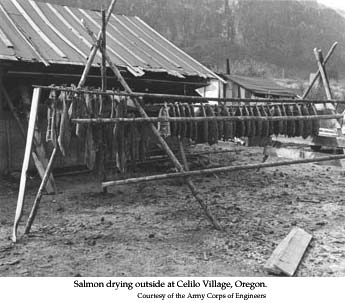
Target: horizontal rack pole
{"type": "Point", "coordinates": [200, 119]}
{"type": "Point", "coordinates": [168, 97]}
{"type": "Point", "coordinates": [157, 106]}
{"type": "Point", "coordinates": [218, 170]}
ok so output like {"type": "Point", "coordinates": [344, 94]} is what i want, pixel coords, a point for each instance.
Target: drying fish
{"type": "Point", "coordinates": [202, 126]}
{"type": "Point", "coordinates": [258, 123]}
{"type": "Point", "coordinates": [212, 126]}
{"type": "Point", "coordinates": [316, 122]}
{"type": "Point", "coordinates": [278, 126]}
{"type": "Point", "coordinates": [291, 126]}
{"type": "Point", "coordinates": [265, 124]}
{"type": "Point", "coordinates": [172, 114]}
{"type": "Point", "coordinates": [240, 125]}
{"type": "Point", "coordinates": [285, 122]}
{"type": "Point", "coordinates": [64, 138]}
{"type": "Point", "coordinates": [189, 123]}
{"type": "Point", "coordinates": [308, 124]}
{"type": "Point", "coordinates": [164, 127]}
{"type": "Point", "coordinates": [299, 123]}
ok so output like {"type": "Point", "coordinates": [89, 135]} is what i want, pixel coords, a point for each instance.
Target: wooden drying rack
{"type": "Point", "coordinates": [181, 168]}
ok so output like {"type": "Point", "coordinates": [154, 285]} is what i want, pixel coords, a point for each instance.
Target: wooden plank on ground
{"type": "Point", "coordinates": [289, 253]}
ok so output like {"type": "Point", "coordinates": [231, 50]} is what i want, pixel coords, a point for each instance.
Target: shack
{"type": "Point", "coordinates": [255, 88]}
{"type": "Point", "coordinates": [44, 44]}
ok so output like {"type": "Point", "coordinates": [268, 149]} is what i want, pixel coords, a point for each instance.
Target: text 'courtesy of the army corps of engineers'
{"type": "Point", "coordinates": [206, 290]}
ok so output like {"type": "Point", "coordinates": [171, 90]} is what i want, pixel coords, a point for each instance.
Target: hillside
{"type": "Point", "coordinates": [259, 37]}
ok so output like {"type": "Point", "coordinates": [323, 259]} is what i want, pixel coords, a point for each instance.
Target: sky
{"type": "Point", "coordinates": [334, 3]}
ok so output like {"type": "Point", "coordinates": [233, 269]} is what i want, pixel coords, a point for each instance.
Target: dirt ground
{"type": "Point", "coordinates": [158, 229]}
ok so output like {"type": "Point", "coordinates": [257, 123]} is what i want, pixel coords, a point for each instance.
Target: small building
{"type": "Point", "coordinates": [241, 87]}
{"type": "Point", "coordinates": [255, 88]}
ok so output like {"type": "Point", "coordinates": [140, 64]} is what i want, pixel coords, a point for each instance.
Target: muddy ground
{"type": "Point", "coordinates": [158, 229]}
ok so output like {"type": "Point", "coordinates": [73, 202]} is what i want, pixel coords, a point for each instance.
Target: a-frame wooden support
{"type": "Point", "coordinates": [318, 73]}
{"type": "Point", "coordinates": [142, 112]}
{"type": "Point", "coordinates": [159, 138]}
{"type": "Point", "coordinates": [30, 139]}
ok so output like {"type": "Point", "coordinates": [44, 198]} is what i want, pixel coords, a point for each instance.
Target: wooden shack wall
{"type": "Point", "coordinates": [10, 135]}
{"type": "Point", "coordinates": [12, 144]}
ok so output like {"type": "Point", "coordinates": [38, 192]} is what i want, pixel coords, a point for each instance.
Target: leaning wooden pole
{"type": "Point", "coordinates": [194, 173]}
{"type": "Point", "coordinates": [25, 167]}
{"type": "Point", "coordinates": [95, 47]}
{"type": "Point", "coordinates": [194, 191]}
{"type": "Point", "coordinates": [322, 69]}
{"type": "Point", "coordinates": [40, 192]}
{"type": "Point", "coordinates": [102, 157]}
{"type": "Point", "coordinates": [155, 131]}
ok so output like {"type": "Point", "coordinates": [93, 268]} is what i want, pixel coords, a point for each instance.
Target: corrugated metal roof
{"type": "Point", "coordinates": [51, 34]}
{"type": "Point", "coordinates": [261, 86]}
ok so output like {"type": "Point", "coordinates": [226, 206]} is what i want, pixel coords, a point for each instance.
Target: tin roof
{"type": "Point", "coordinates": [33, 31]}
{"type": "Point", "coordinates": [261, 86]}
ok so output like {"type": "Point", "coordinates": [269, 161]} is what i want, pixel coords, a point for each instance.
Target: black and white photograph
{"type": "Point", "coordinates": [172, 138]}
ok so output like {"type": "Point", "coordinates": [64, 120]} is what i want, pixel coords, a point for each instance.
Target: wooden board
{"type": "Point", "coordinates": [289, 253]}
{"type": "Point", "coordinates": [28, 146]}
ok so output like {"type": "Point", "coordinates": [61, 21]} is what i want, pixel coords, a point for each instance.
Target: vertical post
{"type": "Point", "coordinates": [228, 66]}
{"type": "Point", "coordinates": [9, 144]}
{"type": "Point", "coordinates": [104, 88]}
{"type": "Point", "coordinates": [6, 147]}
{"type": "Point", "coordinates": [103, 48]}
{"type": "Point", "coordinates": [1, 95]}
{"type": "Point", "coordinates": [29, 139]}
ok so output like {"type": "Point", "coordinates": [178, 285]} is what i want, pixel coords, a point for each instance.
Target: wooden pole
{"type": "Point", "coordinates": [195, 192]}
{"type": "Point", "coordinates": [317, 74]}
{"type": "Point", "coordinates": [191, 99]}
{"type": "Point", "coordinates": [40, 192]}
{"type": "Point", "coordinates": [104, 88]}
{"type": "Point", "coordinates": [9, 145]}
{"type": "Point", "coordinates": [322, 69]}
{"type": "Point", "coordinates": [200, 119]}
{"type": "Point", "coordinates": [218, 170]}
{"type": "Point", "coordinates": [95, 47]}
{"type": "Point", "coordinates": [155, 131]}
{"type": "Point", "coordinates": [103, 49]}
{"type": "Point", "coordinates": [29, 140]}
{"type": "Point", "coordinates": [183, 155]}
